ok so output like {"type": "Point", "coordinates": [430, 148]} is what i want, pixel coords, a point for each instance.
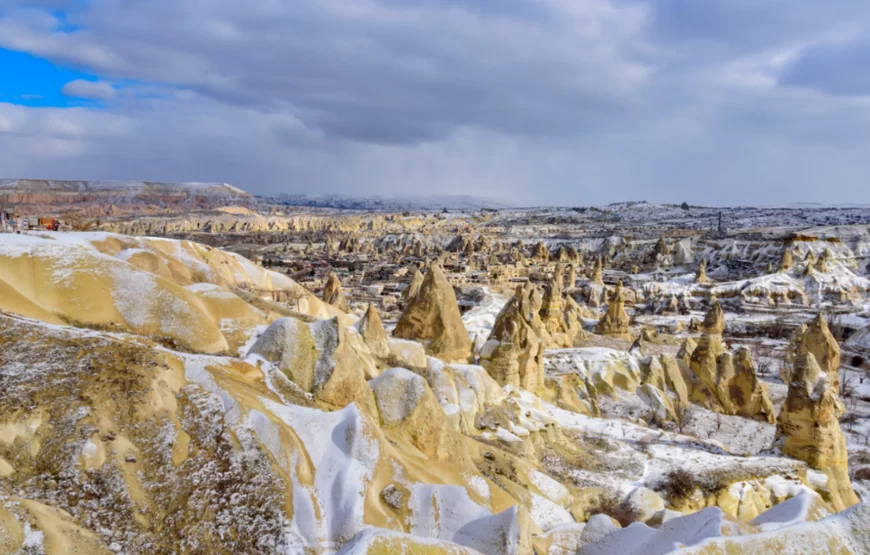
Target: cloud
{"type": "Point", "coordinates": [543, 101]}
{"type": "Point", "coordinates": [93, 90]}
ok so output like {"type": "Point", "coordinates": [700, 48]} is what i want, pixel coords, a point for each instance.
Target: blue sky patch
{"type": "Point", "coordinates": [32, 81]}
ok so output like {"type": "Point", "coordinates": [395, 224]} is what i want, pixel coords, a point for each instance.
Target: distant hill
{"type": "Point", "coordinates": [95, 198]}
{"type": "Point", "coordinates": [391, 203]}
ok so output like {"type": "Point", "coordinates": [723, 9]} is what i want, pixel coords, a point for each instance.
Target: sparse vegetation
{"type": "Point", "coordinates": [685, 414]}
{"type": "Point", "coordinates": [679, 484]}
{"type": "Point", "coordinates": [611, 505]}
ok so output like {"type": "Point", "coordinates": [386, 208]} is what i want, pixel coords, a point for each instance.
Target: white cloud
{"type": "Point", "coordinates": [94, 90]}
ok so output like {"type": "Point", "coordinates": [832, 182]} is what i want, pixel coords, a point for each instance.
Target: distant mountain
{"type": "Point", "coordinates": [391, 203]}
{"type": "Point", "coordinates": [93, 198]}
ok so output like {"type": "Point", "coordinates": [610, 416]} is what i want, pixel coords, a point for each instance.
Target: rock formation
{"type": "Point", "coordinates": [683, 253]}
{"type": "Point", "coordinates": [572, 276]}
{"type": "Point", "coordinates": [701, 275]}
{"type": "Point", "coordinates": [749, 394]}
{"type": "Point", "coordinates": [616, 321]}
{"type": "Point", "coordinates": [710, 390]}
{"type": "Point", "coordinates": [333, 293]}
{"type": "Point", "coordinates": [818, 340]}
{"type": "Point", "coordinates": [661, 248]}
{"type": "Point", "coordinates": [517, 342]}
{"type": "Point", "coordinates": [686, 349]}
{"type": "Point", "coordinates": [551, 308]}
{"type": "Point", "coordinates": [540, 252]}
{"type": "Point", "coordinates": [413, 287]}
{"type": "Point", "coordinates": [809, 427]}
{"type": "Point", "coordinates": [322, 358]}
{"type": "Point", "coordinates": [714, 320]}
{"type": "Point", "coordinates": [405, 402]}
{"type": "Point", "coordinates": [371, 328]}
{"type": "Point", "coordinates": [432, 316]}
{"type": "Point", "coordinates": [822, 263]}
{"type": "Point", "coordinates": [727, 382]}
{"type": "Point", "coordinates": [597, 275]}
{"type": "Point", "coordinates": [787, 261]}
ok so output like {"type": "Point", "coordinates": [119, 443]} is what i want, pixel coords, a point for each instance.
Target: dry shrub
{"type": "Point", "coordinates": [621, 511]}
{"type": "Point", "coordinates": [679, 484]}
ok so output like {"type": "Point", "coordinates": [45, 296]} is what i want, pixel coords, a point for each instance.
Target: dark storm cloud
{"type": "Point", "coordinates": [565, 101]}
{"type": "Point", "coordinates": [839, 69]}
{"type": "Point", "coordinates": [386, 72]}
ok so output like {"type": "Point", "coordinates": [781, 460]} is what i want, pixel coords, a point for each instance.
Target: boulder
{"type": "Point", "coordinates": [647, 502]}
{"type": "Point", "coordinates": [597, 528]}
{"type": "Point", "coordinates": [432, 316]}
{"type": "Point", "coordinates": [406, 402]}
{"type": "Point", "coordinates": [407, 354]}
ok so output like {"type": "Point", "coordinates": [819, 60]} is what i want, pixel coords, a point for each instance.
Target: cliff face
{"type": "Point", "coordinates": [104, 198]}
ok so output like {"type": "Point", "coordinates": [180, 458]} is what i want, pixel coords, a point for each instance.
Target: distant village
{"type": "Point", "coordinates": [13, 222]}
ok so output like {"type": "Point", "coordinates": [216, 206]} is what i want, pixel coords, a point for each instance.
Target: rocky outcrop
{"type": "Point", "coordinates": [726, 382]}
{"type": "Point", "coordinates": [787, 261]}
{"type": "Point", "coordinates": [822, 263]}
{"type": "Point", "coordinates": [372, 331]}
{"type": "Point", "coordinates": [516, 348]}
{"type": "Point", "coordinates": [661, 248]}
{"type": "Point", "coordinates": [616, 321]}
{"type": "Point", "coordinates": [809, 428]}
{"type": "Point", "coordinates": [701, 275]}
{"type": "Point", "coordinates": [432, 316]}
{"type": "Point", "coordinates": [818, 340]}
{"type": "Point", "coordinates": [572, 276]}
{"type": "Point", "coordinates": [406, 403]}
{"type": "Point", "coordinates": [325, 359]}
{"type": "Point", "coordinates": [413, 287]}
{"type": "Point", "coordinates": [333, 293]}
{"type": "Point", "coordinates": [707, 389]}
{"type": "Point", "coordinates": [683, 253]}
{"type": "Point", "coordinates": [597, 274]}
{"type": "Point", "coordinates": [749, 395]}
{"type": "Point", "coordinates": [684, 355]}
{"type": "Point", "coordinates": [541, 253]}
{"type": "Point", "coordinates": [551, 308]}
{"type": "Point", "coordinates": [714, 320]}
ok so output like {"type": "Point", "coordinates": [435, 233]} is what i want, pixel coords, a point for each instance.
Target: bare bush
{"type": "Point", "coordinates": [837, 327]}
{"type": "Point", "coordinates": [679, 484]}
{"type": "Point", "coordinates": [685, 413]}
{"type": "Point", "coordinates": [610, 504]}
{"type": "Point", "coordinates": [847, 384]}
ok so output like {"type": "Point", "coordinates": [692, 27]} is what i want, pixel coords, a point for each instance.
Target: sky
{"type": "Point", "coordinates": [558, 102]}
